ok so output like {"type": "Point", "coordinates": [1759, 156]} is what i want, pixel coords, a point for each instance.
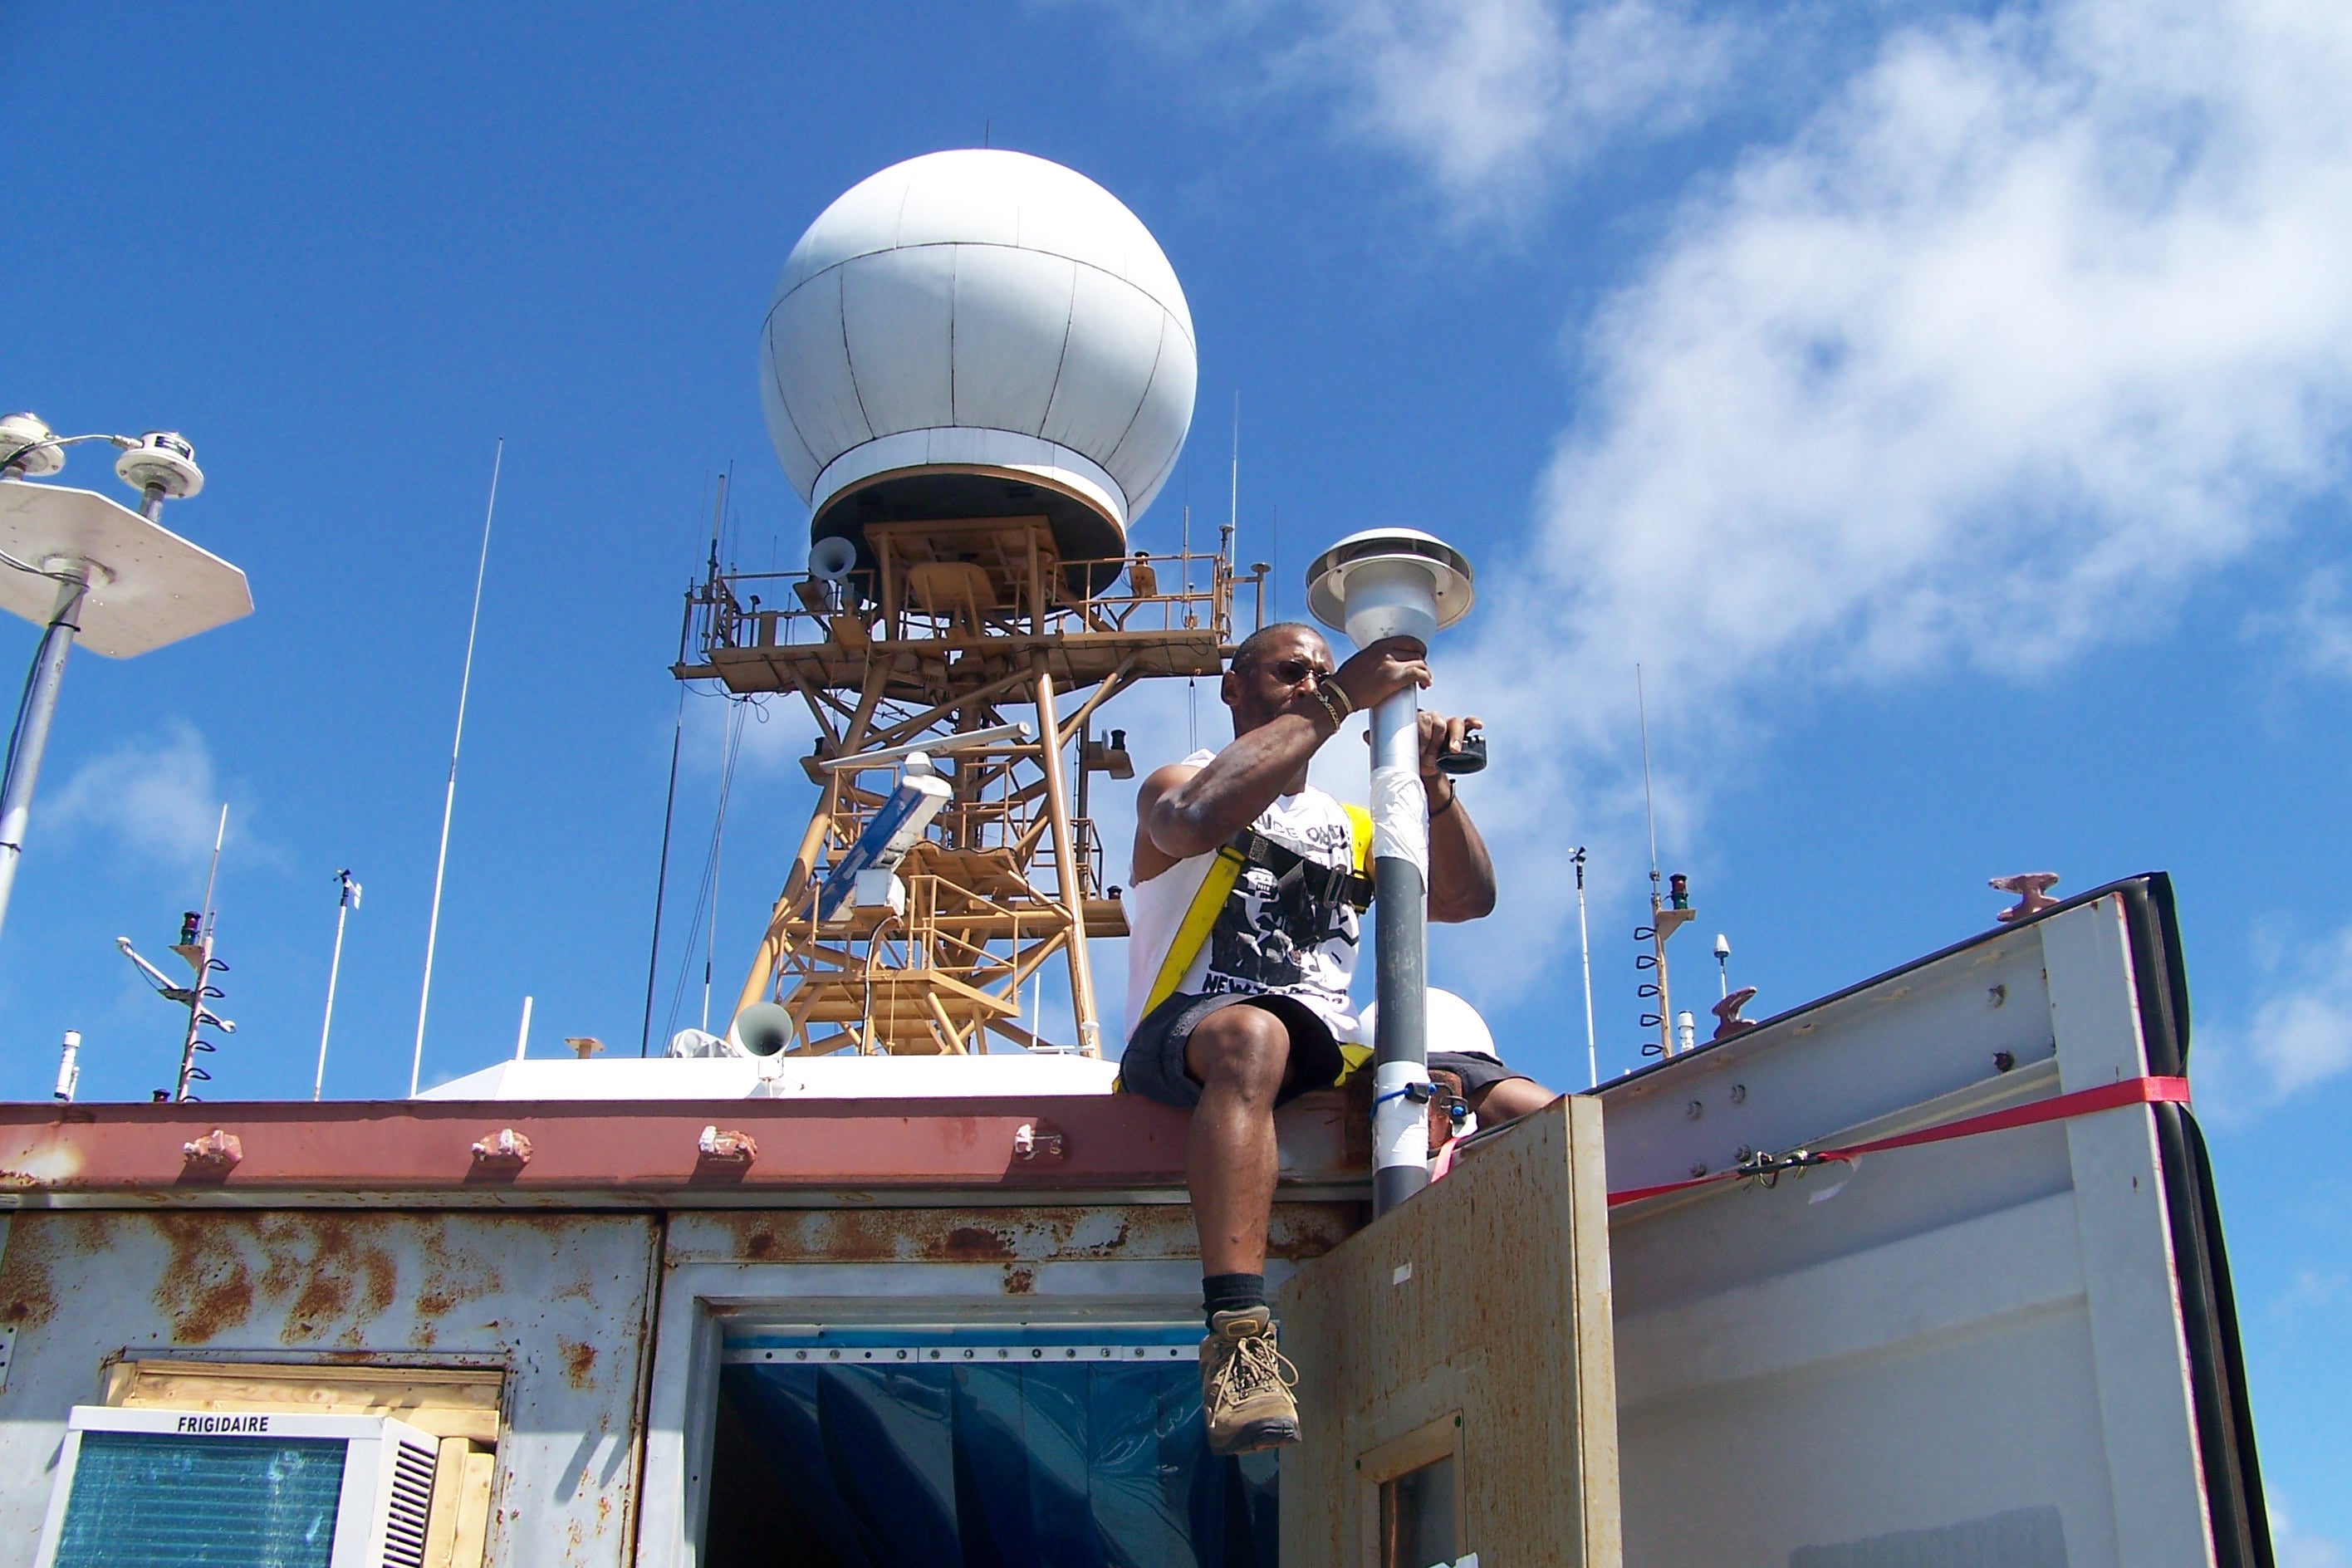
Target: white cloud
{"type": "Point", "coordinates": [156, 803]}
{"type": "Point", "coordinates": [1491, 95]}
{"type": "Point", "coordinates": [2038, 326]}
{"type": "Point", "coordinates": [1485, 98]}
{"type": "Point", "coordinates": [2300, 1035]}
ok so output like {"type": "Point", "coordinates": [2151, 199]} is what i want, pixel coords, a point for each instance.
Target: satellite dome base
{"type": "Point", "coordinates": [1085, 528]}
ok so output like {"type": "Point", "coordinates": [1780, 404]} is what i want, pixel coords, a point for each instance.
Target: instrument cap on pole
{"type": "Point", "coordinates": [1389, 582]}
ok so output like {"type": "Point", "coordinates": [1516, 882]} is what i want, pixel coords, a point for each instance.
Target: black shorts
{"type": "Point", "coordinates": [1153, 1065]}
{"type": "Point", "coordinates": [1476, 1072]}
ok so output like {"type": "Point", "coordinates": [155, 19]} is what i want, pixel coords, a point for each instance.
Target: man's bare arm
{"type": "Point", "coordinates": [1461, 877]}
{"type": "Point", "coordinates": [1460, 874]}
{"type": "Point", "coordinates": [1192, 812]}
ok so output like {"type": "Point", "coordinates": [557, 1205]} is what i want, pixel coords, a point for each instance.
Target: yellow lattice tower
{"type": "Point", "coordinates": [946, 630]}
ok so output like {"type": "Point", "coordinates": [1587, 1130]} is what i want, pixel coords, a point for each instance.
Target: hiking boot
{"type": "Point", "coordinates": [1246, 1385]}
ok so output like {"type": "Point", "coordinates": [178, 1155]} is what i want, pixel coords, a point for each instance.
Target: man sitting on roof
{"type": "Point", "coordinates": [1244, 905]}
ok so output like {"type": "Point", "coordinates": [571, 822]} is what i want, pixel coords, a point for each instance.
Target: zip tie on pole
{"type": "Point", "coordinates": [1767, 1168]}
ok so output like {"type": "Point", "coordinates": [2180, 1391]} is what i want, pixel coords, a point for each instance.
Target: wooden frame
{"type": "Point", "coordinates": [460, 1405]}
{"type": "Point", "coordinates": [1376, 1467]}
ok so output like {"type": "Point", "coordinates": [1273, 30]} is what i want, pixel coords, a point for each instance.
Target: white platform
{"type": "Point", "coordinates": [813, 1077]}
{"type": "Point", "coordinates": [150, 586]}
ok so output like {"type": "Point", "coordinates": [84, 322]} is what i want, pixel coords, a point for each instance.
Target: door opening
{"type": "Point", "coordinates": [990, 1448]}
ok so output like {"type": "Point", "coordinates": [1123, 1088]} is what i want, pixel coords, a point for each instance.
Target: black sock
{"type": "Point", "coordinates": [1232, 1293]}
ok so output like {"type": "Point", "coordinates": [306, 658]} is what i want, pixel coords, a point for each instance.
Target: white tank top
{"type": "Point", "coordinates": [1251, 949]}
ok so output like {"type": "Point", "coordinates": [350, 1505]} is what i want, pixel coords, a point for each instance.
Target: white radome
{"type": "Point", "coordinates": [978, 312]}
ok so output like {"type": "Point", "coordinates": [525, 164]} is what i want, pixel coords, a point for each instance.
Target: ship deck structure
{"type": "Point", "coordinates": [1929, 1269]}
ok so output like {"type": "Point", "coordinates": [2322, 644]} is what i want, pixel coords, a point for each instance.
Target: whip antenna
{"type": "Point", "coordinates": [449, 799]}
{"type": "Point", "coordinates": [1649, 804]}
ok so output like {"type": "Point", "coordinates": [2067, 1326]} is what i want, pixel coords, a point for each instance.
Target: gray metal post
{"type": "Point", "coordinates": [1382, 583]}
{"type": "Point", "coordinates": [1401, 973]}
{"type": "Point", "coordinates": [33, 723]}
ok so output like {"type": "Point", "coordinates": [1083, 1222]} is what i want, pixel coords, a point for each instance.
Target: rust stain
{"type": "Point", "coordinates": [303, 1278]}
{"type": "Point", "coordinates": [556, 1224]}
{"type": "Point", "coordinates": [324, 1296]}
{"type": "Point", "coordinates": [324, 1263]}
{"type": "Point", "coordinates": [971, 1244]}
{"type": "Point", "coordinates": [206, 1287]}
{"type": "Point", "coordinates": [28, 1298]}
{"type": "Point", "coordinates": [1028, 1235]}
{"type": "Point", "coordinates": [579, 1361]}
{"type": "Point", "coordinates": [1019, 1281]}
{"type": "Point", "coordinates": [452, 1278]}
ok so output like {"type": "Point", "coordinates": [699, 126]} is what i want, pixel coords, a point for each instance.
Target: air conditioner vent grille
{"type": "Point", "coordinates": [411, 1505]}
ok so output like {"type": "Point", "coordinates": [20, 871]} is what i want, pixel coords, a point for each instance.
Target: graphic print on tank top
{"type": "Point", "coordinates": [1278, 933]}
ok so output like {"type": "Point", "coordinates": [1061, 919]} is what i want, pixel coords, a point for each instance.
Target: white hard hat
{"type": "Point", "coordinates": [1454, 1025]}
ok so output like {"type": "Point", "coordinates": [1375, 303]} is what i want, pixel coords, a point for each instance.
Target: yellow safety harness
{"type": "Point", "coordinates": [1201, 915]}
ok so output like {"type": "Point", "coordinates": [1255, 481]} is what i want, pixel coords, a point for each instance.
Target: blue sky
{"type": "Point", "coordinates": [1948, 405]}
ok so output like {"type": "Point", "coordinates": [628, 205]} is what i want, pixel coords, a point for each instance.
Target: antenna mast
{"type": "Point", "coordinates": [347, 901]}
{"type": "Point", "coordinates": [195, 945]}
{"type": "Point", "coordinates": [1584, 943]}
{"type": "Point", "coordinates": [449, 800]}
{"type": "Point", "coordinates": [1649, 803]}
{"type": "Point", "coordinates": [669, 801]}
{"type": "Point", "coordinates": [1233, 498]}
{"type": "Point", "coordinates": [1667, 915]}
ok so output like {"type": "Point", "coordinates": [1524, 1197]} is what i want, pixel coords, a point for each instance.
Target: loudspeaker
{"type": "Point", "coordinates": [831, 560]}
{"type": "Point", "coordinates": [762, 1029]}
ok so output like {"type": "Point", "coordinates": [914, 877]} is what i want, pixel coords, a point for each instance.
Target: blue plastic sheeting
{"type": "Point", "coordinates": [1009, 1465]}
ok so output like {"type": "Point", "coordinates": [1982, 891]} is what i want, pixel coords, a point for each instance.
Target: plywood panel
{"type": "Point", "coordinates": [1485, 1297]}
{"type": "Point", "coordinates": [452, 1402]}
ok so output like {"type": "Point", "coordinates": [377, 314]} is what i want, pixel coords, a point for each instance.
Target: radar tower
{"type": "Point", "coordinates": [978, 371]}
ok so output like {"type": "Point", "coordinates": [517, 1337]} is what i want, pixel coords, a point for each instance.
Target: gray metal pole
{"type": "Point", "coordinates": [1374, 585]}
{"type": "Point", "coordinates": [1400, 972]}
{"type": "Point", "coordinates": [33, 723]}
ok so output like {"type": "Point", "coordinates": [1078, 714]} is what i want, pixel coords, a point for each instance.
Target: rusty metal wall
{"type": "Point", "coordinates": [1020, 1238]}
{"type": "Point", "coordinates": [561, 1301]}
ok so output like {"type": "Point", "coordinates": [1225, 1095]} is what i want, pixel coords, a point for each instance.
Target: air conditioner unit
{"type": "Point", "coordinates": [176, 1487]}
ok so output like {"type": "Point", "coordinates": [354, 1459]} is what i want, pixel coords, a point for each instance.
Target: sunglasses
{"type": "Point", "coordinates": [1291, 671]}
